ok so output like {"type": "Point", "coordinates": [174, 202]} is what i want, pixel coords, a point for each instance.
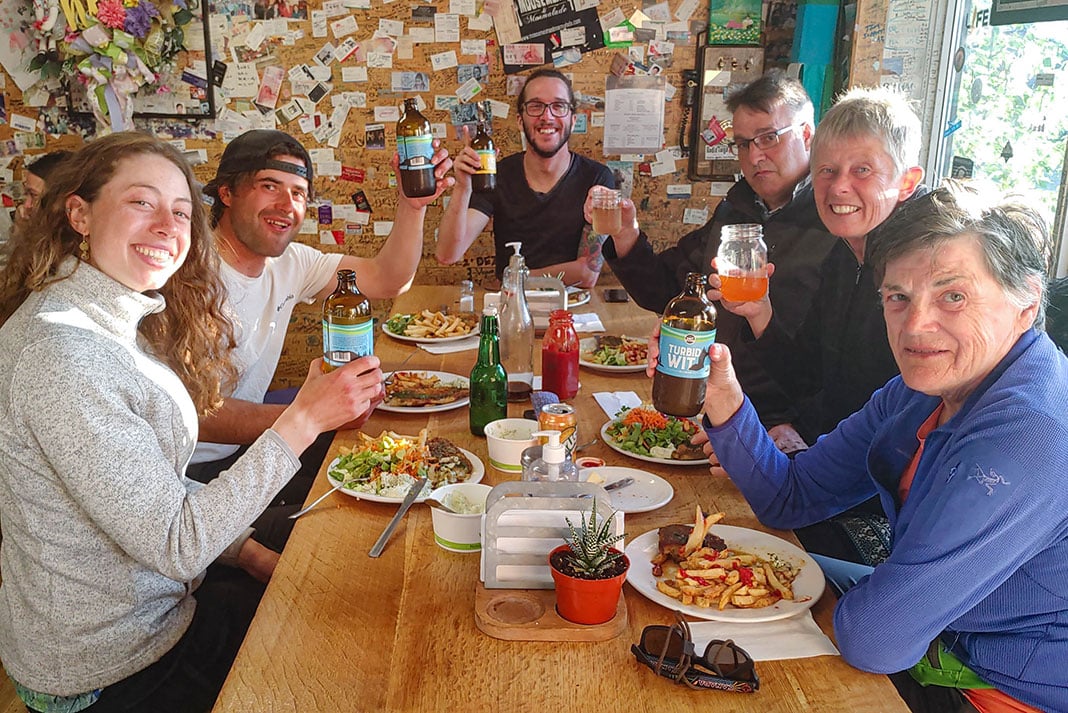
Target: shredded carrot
{"type": "Point", "coordinates": [648, 419]}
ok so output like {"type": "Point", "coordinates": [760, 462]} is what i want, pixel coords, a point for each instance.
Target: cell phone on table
{"type": "Point", "coordinates": [615, 294]}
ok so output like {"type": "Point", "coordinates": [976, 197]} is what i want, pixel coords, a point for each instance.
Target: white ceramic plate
{"type": "Point", "coordinates": [648, 492]}
{"type": "Point", "coordinates": [589, 344]}
{"type": "Point", "coordinates": [427, 340]}
{"type": "Point", "coordinates": [445, 377]}
{"type": "Point", "coordinates": [648, 459]}
{"type": "Point", "coordinates": [577, 296]}
{"type": "Point", "coordinates": [808, 586]}
{"type": "Point", "coordinates": [477, 472]}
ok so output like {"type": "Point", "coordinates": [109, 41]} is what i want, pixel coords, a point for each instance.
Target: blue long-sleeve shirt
{"type": "Point", "coordinates": [980, 553]}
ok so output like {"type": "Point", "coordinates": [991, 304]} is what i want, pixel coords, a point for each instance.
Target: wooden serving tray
{"type": "Point", "coordinates": [530, 615]}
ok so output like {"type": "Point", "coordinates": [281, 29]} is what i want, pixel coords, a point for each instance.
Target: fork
{"type": "Point", "coordinates": [389, 378]}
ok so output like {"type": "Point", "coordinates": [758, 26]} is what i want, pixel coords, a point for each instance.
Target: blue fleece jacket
{"type": "Point", "coordinates": [980, 553]}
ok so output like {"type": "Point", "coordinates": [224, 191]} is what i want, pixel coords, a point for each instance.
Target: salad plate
{"type": "Point", "coordinates": [478, 470]}
{"type": "Point", "coordinates": [664, 438]}
{"type": "Point", "coordinates": [807, 587]}
{"type": "Point", "coordinates": [588, 346]}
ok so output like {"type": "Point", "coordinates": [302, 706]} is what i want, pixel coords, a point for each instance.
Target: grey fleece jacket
{"type": "Point", "coordinates": [104, 538]}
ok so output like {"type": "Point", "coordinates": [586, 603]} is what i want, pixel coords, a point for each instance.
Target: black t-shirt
{"type": "Point", "coordinates": [550, 225]}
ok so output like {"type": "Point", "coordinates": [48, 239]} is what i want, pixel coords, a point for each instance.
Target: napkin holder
{"type": "Point", "coordinates": [525, 521]}
{"type": "Point", "coordinates": [544, 294]}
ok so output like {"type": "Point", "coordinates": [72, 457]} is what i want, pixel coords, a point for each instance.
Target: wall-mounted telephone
{"type": "Point", "coordinates": [719, 67]}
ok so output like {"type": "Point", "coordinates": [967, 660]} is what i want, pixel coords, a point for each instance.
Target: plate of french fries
{"type": "Point", "coordinates": [427, 326]}
{"type": "Point", "coordinates": [758, 577]}
{"type": "Point", "coordinates": [425, 392]}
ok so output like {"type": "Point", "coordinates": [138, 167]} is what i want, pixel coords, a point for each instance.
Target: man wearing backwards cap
{"type": "Point", "coordinates": [261, 191]}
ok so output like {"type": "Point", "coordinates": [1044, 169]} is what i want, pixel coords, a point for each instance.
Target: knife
{"type": "Point", "coordinates": [413, 493]}
{"type": "Point", "coordinates": [621, 483]}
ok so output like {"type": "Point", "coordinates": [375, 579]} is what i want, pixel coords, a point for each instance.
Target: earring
{"type": "Point", "coordinates": [83, 248]}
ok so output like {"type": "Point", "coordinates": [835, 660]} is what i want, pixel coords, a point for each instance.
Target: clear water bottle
{"type": "Point", "coordinates": [517, 328]}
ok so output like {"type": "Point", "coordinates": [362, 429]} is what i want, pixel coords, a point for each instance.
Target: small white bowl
{"type": "Point", "coordinates": [506, 440]}
{"type": "Point", "coordinates": [460, 533]}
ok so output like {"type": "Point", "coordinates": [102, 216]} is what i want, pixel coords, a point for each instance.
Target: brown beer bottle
{"type": "Point", "coordinates": [687, 330]}
{"type": "Point", "coordinates": [348, 329]}
{"type": "Point", "coordinates": [415, 146]}
{"type": "Point", "coordinates": [485, 178]}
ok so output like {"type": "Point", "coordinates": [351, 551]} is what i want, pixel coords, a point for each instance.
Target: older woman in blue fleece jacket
{"type": "Point", "coordinates": [967, 450]}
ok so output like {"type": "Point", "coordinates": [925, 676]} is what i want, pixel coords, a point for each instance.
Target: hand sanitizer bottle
{"type": "Point", "coordinates": [554, 463]}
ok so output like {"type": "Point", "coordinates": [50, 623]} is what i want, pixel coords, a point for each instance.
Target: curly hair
{"type": "Point", "coordinates": [192, 335]}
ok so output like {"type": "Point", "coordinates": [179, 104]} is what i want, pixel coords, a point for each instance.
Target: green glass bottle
{"type": "Point", "coordinates": [489, 382]}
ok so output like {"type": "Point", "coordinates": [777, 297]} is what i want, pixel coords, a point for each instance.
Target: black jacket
{"type": "Point", "coordinates": [797, 245]}
{"type": "Point", "coordinates": [840, 356]}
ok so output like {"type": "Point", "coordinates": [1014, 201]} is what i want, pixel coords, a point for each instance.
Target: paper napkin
{"type": "Point", "coordinates": [588, 322]}
{"type": "Point", "coordinates": [613, 401]}
{"type": "Point", "coordinates": [795, 638]}
{"type": "Point", "coordinates": [461, 345]}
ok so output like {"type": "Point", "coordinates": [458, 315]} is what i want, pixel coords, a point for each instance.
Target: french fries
{"type": "Point", "coordinates": [725, 578]}
{"type": "Point", "coordinates": [438, 325]}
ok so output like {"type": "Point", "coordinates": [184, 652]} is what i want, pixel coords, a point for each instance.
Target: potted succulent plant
{"type": "Point", "coordinates": [588, 571]}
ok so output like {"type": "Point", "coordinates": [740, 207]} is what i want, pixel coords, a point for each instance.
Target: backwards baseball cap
{"type": "Point", "coordinates": [256, 150]}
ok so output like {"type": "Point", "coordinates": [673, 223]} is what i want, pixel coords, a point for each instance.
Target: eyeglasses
{"type": "Point", "coordinates": [762, 142]}
{"type": "Point", "coordinates": [669, 651]}
{"type": "Point", "coordinates": [558, 109]}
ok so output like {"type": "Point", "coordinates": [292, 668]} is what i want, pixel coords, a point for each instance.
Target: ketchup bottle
{"type": "Point", "coordinates": [560, 356]}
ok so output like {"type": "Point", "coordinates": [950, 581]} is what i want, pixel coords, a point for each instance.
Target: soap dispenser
{"type": "Point", "coordinates": [554, 463]}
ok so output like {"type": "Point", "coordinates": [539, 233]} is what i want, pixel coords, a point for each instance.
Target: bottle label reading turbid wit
{"type": "Point", "coordinates": [343, 343]}
{"type": "Point", "coordinates": [684, 354]}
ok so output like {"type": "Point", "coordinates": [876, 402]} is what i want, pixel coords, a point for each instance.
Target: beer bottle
{"type": "Point", "coordinates": [489, 382]}
{"type": "Point", "coordinates": [687, 330]}
{"type": "Point", "coordinates": [415, 146]}
{"type": "Point", "coordinates": [485, 178]}
{"type": "Point", "coordinates": [347, 325]}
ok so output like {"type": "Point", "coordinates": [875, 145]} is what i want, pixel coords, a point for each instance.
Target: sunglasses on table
{"type": "Point", "coordinates": [669, 652]}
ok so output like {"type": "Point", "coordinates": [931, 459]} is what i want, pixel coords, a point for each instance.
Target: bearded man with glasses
{"type": "Point", "coordinates": [539, 195]}
{"type": "Point", "coordinates": [773, 127]}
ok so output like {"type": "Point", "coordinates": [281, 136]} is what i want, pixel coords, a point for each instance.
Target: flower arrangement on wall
{"type": "Point", "coordinates": [113, 47]}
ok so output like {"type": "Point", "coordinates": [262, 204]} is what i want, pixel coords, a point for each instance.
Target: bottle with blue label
{"type": "Point", "coordinates": [415, 147]}
{"type": "Point", "coordinates": [348, 328]}
{"type": "Point", "coordinates": [687, 330]}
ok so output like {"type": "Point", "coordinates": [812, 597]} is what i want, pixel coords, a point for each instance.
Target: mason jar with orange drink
{"type": "Point", "coordinates": [741, 262]}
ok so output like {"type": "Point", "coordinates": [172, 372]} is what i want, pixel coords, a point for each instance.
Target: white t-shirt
{"type": "Point", "coordinates": [260, 308]}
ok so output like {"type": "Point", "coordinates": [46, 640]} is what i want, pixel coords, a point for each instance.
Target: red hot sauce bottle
{"type": "Point", "coordinates": [560, 356]}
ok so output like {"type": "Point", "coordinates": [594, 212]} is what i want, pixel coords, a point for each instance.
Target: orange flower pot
{"type": "Point", "coordinates": [587, 601]}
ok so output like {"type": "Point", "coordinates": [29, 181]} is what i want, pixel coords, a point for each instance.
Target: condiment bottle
{"type": "Point", "coordinates": [415, 146]}
{"type": "Point", "coordinates": [741, 262]}
{"type": "Point", "coordinates": [517, 328]}
{"type": "Point", "coordinates": [467, 297]}
{"type": "Point", "coordinates": [484, 179]}
{"type": "Point", "coordinates": [489, 382]}
{"type": "Point", "coordinates": [347, 324]}
{"type": "Point", "coordinates": [554, 463]}
{"type": "Point", "coordinates": [560, 356]}
{"type": "Point", "coordinates": [687, 330]}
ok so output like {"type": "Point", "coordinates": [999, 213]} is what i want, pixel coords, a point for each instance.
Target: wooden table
{"type": "Point", "coordinates": [339, 631]}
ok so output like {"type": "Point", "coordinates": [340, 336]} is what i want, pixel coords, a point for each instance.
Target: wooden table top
{"type": "Point", "coordinates": [339, 631]}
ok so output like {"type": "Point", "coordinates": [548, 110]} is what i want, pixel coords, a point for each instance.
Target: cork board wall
{"type": "Point", "coordinates": [363, 82]}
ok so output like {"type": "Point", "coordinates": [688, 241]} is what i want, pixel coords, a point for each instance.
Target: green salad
{"type": "Point", "coordinates": [399, 322]}
{"type": "Point", "coordinates": [648, 432]}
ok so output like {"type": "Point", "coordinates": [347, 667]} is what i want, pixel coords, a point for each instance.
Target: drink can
{"type": "Point", "coordinates": [562, 418]}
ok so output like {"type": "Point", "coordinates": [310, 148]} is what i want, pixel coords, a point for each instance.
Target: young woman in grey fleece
{"type": "Point", "coordinates": [105, 541]}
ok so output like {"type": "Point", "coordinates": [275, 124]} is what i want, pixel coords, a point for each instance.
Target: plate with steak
{"type": "Point", "coordinates": [425, 392]}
